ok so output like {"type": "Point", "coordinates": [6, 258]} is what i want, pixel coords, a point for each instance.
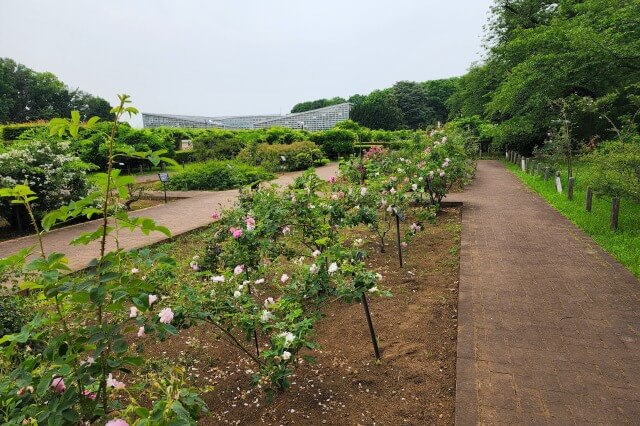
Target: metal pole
{"type": "Point", "coordinates": [372, 331]}
{"type": "Point", "coordinates": [398, 239]}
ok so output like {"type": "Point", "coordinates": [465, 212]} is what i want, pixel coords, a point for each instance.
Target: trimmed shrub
{"type": "Point", "coordinates": [218, 175]}
{"type": "Point", "coordinates": [284, 135]}
{"type": "Point", "coordinates": [12, 132]}
{"type": "Point", "coordinates": [217, 144]}
{"type": "Point", "coordinates": [335, 142]}
{"type": "Point", "coordinates": [279, 157]}
{"type": "Point", "coordinates": [187, 156]}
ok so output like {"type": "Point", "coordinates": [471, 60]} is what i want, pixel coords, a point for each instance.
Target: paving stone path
{"type": "Point", "coordinates": [179, 216]}
{"type": "Point", "coordinates": [549, 324]}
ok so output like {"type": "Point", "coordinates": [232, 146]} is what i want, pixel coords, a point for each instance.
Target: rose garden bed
{"type": "Point", "coordinates": [413, 384]}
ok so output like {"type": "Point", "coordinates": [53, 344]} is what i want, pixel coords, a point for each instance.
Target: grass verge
{"type": "Point", "coordinates": [623, 244]}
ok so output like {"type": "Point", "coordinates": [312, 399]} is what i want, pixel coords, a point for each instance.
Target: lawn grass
{"type": "Point", "coordinates": [623, 244]}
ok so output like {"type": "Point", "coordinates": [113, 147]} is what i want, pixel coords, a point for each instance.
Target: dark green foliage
{"type": "Point", "coordinates": [542, 51]}
{"type": "Point", "coordinates": [415, 104]}
{"type": "Point", "coordinates": [218, 175]}
{"type": "Point", "coordinates": [27, 95]}
{"type": "Point", "coordinates": [280, 157]}
{"type": "Point", "coordinates": [186, 156]}
{"type": "Point", "coordinates": [12, 314]}
{"type": "Point", "coordinates": [380, 110]}
{"type": "Point", "coordinates": [12, 132]}
{"type": "Point", "coordinates": [335, 142]}
{"type": "Point", "coordinates": [318, 103]}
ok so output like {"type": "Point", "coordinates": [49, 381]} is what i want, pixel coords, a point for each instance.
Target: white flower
{"type": "Point", "coordinates": [238, 269]}
{"type": "Point", "coordinates": [286, 355]}
{"type": "Point", "coordinates": [414, 187]}
{"type": "Point", "coordinates": [333, 267]}
{"type": "Point", "coordinates": [237, 294]}
{"type": "Point", "coordinates": [358, 242]}
{"type": "Point", "coordinates": [392, 190]}
{"type": "Point", "coordinates": [316, 253]}
{"type": "Point", "coordinates": [141, 332]}
{"type": "Point", "coordinates": [152, 299]}
{"type": "Point", "coordinates": [284, 278]}
{"type": "Point", "coordinates": [133, 312]}
{"type": "Point", "coordinates": [265, 316]}
{"type": "Point", "coordinates": [389, 209]}
{"type": "Point", "coordinates": [288, 338]}
{"type": "Point", "coordinates": [313, 268]}
{"type": "Point", "coordinates": [420, 178]}
{"type": "Point", "coordinates": [135, 270]}
{"type": "Point", "coordinates": [260, 281]}
{"type": "Point", "coordinates": [268, 302]}
{"type": "Point", "coordinates": [373, 289]}
{"type": "Point", "coordinates": [363, 191]}
{"type": "Point", "coordinates": [378, 276]}
{"type": "Point", "coordinates": [217, 279]}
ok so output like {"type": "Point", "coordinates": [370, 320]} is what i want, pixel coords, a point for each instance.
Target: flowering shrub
{"type": "Point", "coordinates": [71, 362]}
{"type": "Point", "coordinates": [55, 176]}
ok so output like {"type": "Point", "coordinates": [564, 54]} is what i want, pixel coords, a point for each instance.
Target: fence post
{"type": "Point", "coordinates": [615, 209]}
{"type": "Point", "coordinates": [546, 173]}
{"type": "Point", "coordinates": [532, 169]}
{"type": "Point", "coordinates": [523, 164]}
{"type": "Point", "coordinates": [570, 189]}
{"type": "Point", "coordinates": [558, 183]}
{"type": "Point", "coordinates": [589, 199]}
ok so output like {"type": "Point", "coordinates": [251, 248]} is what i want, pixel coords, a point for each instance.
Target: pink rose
{"type": "Point", "coordinates": [111, 382]}
{"type": "Point", "coordinates": [166, 316]}
{"type": "Point", "coordinates": [251, 223]}
{"type": "Point", "coordinates": [332, 179]}
{"type": "Point", "coordinates": [284, 278]}
{"type": "Point", "coordinates": [88, 394]}
{"type": "Point", "coordinates": [152, 299]}
{"type": "Point", "coordinates": [141, 332]}
{"type": "Point", "coordinates": [215, 216]}
{"type": "Point", "coordinates": [238, 269]}
{"type": "Point", "coordinates": [133, 312]}
{"type": "Point", "coordinates": [57, 385]}
{"type": "Point", "coordinates": [117, 422]}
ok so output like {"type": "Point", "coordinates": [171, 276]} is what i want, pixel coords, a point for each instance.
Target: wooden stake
{"type": "Point", "coordinates": [615, 209]}
{"type": "Point", "coordinates": [589, 199]}
{"type": "Point", "coordinates": [570, 189]}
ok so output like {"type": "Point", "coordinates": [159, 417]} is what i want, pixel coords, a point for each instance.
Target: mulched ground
{"type": "Point", "coordinates": [414, 384]}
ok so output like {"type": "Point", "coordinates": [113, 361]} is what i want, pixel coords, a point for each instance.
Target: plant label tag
{"type": "Point", "coordinates": [164, 177]}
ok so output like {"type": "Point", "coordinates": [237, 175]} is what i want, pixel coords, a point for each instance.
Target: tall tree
{"type": "Point", "coordinates": [379, 110]}
{"type": "Point", "coordinates": [27, 95]}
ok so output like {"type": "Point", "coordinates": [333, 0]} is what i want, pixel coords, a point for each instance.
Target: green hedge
{"type": "Point", "coordinates": [335, 142]}
{"type": "Point", "coordinates": [281, 157]}
{"type": "Point", "coordinates": [12, 132]}
{"type": "Point", "coordinates": [218, 175]}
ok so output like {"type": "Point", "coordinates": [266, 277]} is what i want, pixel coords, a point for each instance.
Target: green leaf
{"type": "Point", "coordinates": [97, 295]}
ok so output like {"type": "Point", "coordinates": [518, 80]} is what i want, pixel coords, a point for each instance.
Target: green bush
{"type": "Point", "coordinates": [14, 132]}
{"type": "Point", "coordinates": [616, 169]}
{"type": "Point", "coordinates": [186, 156]}
{"type": "Point", "coordinates": [335, 142]}
{"type": "Point", "coordinates": [215, 144]}
{"type": "Point", "coordinates": [280, 157]}
{"type": "Point", "coordinates": [12, 314]}
{"type": "Point", "coordinates": [218, 175]}
{"type": "Point", "coordinates": [283, 135]}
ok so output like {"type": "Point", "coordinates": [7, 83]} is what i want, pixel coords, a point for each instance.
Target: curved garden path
{"type": "Point", "coordinates": [549, 324]}
{"type": "Point", "coordinates": [180, 216]}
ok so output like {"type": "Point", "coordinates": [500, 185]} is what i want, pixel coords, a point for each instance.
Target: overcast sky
{"type": "Point", "coordinates": [215, 57]}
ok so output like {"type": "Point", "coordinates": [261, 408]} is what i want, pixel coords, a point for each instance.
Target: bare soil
{"type": "Point", "coordinates": [414, 384]}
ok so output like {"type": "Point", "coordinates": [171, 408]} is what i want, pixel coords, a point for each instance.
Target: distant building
{"type": "Point", "coordinates": [317, 119]}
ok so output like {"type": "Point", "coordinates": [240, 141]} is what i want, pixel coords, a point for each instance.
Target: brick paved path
{"type": "Point", "coordinates": [549, 324]}
{"type": "Point", "coordinates": [179, 216]}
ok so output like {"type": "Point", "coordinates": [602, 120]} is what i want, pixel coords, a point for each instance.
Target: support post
{"type": "Point", "coordinates": [615, 210]}
{"type": "Point", "coordinates": [589, 200]}
{"type": "Point", "coordinates": [372, 331]}
{"type": "Point", "coordinates": [570, 189]}
{"type": "Point", "coordinates": [398, 239]}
